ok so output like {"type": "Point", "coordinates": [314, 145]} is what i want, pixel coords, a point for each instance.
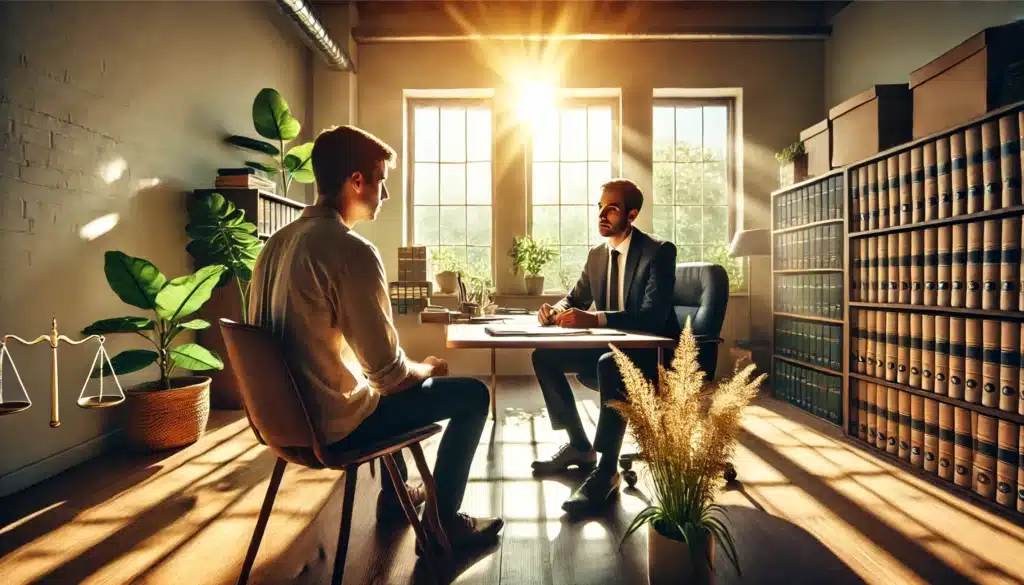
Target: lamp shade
{"type": "Point", "coordinates": [751, 243]}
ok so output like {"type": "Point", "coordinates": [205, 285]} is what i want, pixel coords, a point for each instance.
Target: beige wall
{"type": "Point", "coordinates": [781, 84]}
{"type": "Point", "coordinates": [882, 42]}
{"type": "Point", "coordinates": [84, 84]}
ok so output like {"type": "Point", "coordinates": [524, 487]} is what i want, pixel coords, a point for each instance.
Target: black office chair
{"type": "Point", "coordinates": [701, 294]}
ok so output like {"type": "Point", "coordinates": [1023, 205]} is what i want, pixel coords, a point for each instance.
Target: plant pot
{"type": "Point", "coordinates": [793, 172]}
{"type": "Point", "coordinates": [670, 562]}
{"type": "Point", "coordinates": [163, 419]}
{"type": "Point", "coordinates": [447, 281]}
{"type": "Point", "coordinates": [534, 285]}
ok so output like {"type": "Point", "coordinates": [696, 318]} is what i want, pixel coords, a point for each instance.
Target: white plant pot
{"type": "Point", "coordinates": [669, 561]}
{"type": "Point", "coordinates": [535, 285]}
{"type": "Point", "coordinates": [447, 281]}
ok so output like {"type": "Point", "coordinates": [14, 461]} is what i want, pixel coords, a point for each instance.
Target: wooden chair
{"type": "Point", "coordinates": [278, 417]}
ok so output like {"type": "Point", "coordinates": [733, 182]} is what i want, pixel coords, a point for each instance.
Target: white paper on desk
{"type": "Point", "coordinates": [534, 331]}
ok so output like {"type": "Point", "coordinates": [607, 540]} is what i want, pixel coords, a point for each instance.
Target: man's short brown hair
{"type": "Point", "coordinates": [632, 197]}
{"type": "Point", "coordinates": [340, 151]}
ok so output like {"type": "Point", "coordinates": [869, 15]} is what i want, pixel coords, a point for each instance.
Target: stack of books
{"type": "Point", "coordinates": [415, 283]}
{"type": "Point", "coordinates": [245, 178]}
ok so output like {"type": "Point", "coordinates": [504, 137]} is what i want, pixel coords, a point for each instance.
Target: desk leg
{"type": "Point", "coordinates": [494, 385]}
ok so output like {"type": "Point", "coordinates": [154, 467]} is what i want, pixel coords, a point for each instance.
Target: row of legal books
{"type": "Point", "coordinates": [974, 265]}
{"type": "Point", "coordinates": [816, 247]}
{"type": "Point", "coordinates": [245, 178]}
{"type": "Point", "coordinates": [814, 295]}
{"type": "Point", "coordinates": [818, 344]}
{"type": "Point", "coordinates": [971, 170]}
{"type": "Point", "coordinates": [414, 264]}
{"type": "Point", "coordinates": [818, 201]}
{"type": "Point", "coordinates": [274, 215]}
{"type": "Point", "coordinates": [816, 392]}
{"type": "Point", "coordinates": [977, 452]}
{"type": "Point", "coordinates": [970, 359]}
{"type": "Point", "coordinates": [410, 297]}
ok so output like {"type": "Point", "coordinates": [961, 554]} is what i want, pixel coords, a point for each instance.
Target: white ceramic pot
{"type": "Point", "coordinates": [535, 285]}
{"type": "Point", "coordinates": [669, 562]}
{"type": "Point", "coordinates": [447, 281]}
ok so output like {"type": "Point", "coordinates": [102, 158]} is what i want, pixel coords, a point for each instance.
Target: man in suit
{"type": "Point", "coordinates": [630, 280]}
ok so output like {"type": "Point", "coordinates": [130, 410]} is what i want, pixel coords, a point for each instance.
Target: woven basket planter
{"type": "Point", "coordinates": [163, 419]}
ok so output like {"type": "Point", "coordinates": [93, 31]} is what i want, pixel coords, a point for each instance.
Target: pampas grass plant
{"type": "Point", "coordinates": [686, 435]}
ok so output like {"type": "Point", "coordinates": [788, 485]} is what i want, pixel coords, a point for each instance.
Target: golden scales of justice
{"type": "Point", "coordinates": [101, 399]}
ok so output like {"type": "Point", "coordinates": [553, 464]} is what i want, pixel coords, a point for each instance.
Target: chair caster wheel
{"type": "Point", "coordinates": [630, 477]}
{"type": "Point", "coordinates": [730, 472]}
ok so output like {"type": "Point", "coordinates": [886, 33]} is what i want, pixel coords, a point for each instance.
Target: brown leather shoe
{"type": "Point", "coordinates": [389, 508]}
{"type": "Point", "coordinates": [466, 533]}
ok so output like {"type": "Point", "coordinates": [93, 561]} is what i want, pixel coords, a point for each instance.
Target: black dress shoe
{"type": "Point", "coordinates": [389, 508]}
{"type": "Point", "coordinates": [466, 533]}
{"type": "Point", "coordinates": [563, 459]}
{"type": "Point", "coordinates": [597, 491]}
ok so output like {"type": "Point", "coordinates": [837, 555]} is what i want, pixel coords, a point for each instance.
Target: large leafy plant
{"type": "Point", "coordinates": [274, 121]}
{"type": "Point", "coordinates": [140, 284]}
{"type": "Point", "coordinates": [687, 436]}
{"type": "Point", "coordinates": [221, 235]}
{"type": "Point", "coordinates": [531, 255]}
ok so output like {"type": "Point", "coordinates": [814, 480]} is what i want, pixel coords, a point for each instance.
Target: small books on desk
{"type": "Point", "coordinates": [543, 331]}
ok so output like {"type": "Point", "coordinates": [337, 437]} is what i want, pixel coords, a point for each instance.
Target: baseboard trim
{"type": "Point", "coordinates": [43, 469]}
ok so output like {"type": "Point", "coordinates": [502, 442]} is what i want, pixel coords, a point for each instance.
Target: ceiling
{"type": "Point", "coordinates": [400, 20]}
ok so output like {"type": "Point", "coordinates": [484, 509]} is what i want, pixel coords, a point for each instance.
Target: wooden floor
{"type": "Point", "coordinates": [810, 508]}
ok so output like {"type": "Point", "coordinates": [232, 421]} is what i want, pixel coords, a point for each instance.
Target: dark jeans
{"type": "Point", "coordinates": [551, 365]}
{"type": "Point", "coordinates": [463, 400]}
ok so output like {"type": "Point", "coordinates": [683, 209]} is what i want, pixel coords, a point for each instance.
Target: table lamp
{"type": "Point", "coordinates": [746, 243]}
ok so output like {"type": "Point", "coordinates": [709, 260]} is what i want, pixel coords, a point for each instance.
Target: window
{"type": "Point", "coordinates": [572, 156]}
{"type": "Point", "coordinates": [693, 195]}
{"type": "Point", "coordinates": [450, 184]}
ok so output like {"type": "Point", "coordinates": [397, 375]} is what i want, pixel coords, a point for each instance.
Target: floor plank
{"type": "Point", "coordinates": [810, 508]}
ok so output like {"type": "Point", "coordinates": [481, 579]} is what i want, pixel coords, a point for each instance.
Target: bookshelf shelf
{"type": "Point", "coordinates": [986, 410]}
{"type": "Point", "coordinates": [957, 219]}
{"type": "Point", "coordinates": [807, 226]}
{"type": "Point", "coordinates": [969, 166]}
{"type": "Point", "coordinates": [808, 270]}
{"type": "Point", "coordinates": [1004, 315]}
{"type": "Point", "coordinates": [804, 364]}
{"type": "Point", "coordinates": [810, 318]}
{"type": "Point", "coordinates": [934, 479]}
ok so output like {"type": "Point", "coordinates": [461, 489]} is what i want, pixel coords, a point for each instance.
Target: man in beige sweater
{"type": "Point", "coordinates": [321, 289]}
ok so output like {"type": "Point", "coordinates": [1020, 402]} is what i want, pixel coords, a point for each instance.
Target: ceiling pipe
{"type": "Point", "coordinates": [719, 33]}
{"type": "Point", "coordinates": [315, 34]}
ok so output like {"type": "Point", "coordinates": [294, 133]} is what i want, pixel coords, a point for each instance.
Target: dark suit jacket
{"type": "Point", "coordinates": [649, 282]}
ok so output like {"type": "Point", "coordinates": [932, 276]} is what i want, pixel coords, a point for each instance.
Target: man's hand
{"type": "Point", "coordinates": [438, 366]}
{"type": "Point", "coordinates": [576, 318]}
{"type": "Point", "coordinates": [545, 314]}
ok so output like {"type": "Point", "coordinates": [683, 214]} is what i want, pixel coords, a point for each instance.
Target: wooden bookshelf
{"type": "Point", "coordinates": [951, 173]}
{"type": "Point", "coordinates": [809, 209]}
{"type": "Point", "coordinates": [270, 212]}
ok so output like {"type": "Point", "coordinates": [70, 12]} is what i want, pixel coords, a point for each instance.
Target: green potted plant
{"type": "Point", "coordinates": [531, 256]}
{"type": "Point", "coordinates": [220, 235]}
{"type": "Point", "coordinates": [792, 164]}
{"type": "Point", "coordinates": [447, 266]}
{"type": "Point", "coordinates": [169, 411]}
{"type": "Point", "coordinates": [273, 120]}
{"type": "Point", "coordinates": [686, 437]}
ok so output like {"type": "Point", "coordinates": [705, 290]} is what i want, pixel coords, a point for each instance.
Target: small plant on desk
{"type": "Point", "coordinates": [531, 256]}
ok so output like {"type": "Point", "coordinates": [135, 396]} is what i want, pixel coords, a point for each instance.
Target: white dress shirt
{"type": "Point", "coordinates": [623, 249]}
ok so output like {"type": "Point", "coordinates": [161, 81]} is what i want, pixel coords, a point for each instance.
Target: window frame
{"type": "Point", "coordinates": [731, 166]}
{"type": "Point", "coordinates": [569, 102]}
{"type": "Point", "coordinates": [411, 104]}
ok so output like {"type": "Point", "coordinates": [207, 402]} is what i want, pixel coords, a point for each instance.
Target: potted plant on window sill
{"type": "Point", "coordinates": [531, 256]}
{"type": "Point", "coordinates": [170, 411]}
{"type": "Point", "coordinates": [792, 164]}
{"type": "Point", "coordinates": [686, 436]}
{"type": "Point", "coordinates": [448, 267]}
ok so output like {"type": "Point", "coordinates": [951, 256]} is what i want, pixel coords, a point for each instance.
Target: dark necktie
{"type": "Point", "coordinates": [613, 284]}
